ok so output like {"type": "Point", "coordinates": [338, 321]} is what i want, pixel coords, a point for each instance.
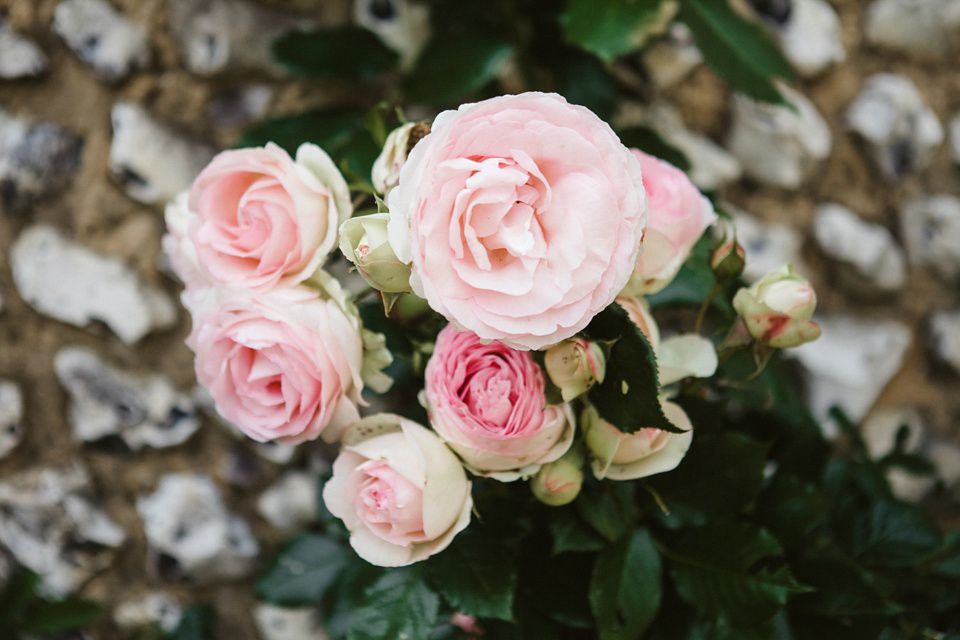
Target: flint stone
{"type": "Point", "coordinates": [192, 534]}
{"type": "Point", "coordinates": [870, 251]}
{"type": "Point", "coordinates": [945, 337]}
{"type": "Point", "coordinates": [671, 59]}
{"type": "Point", "coordinates": [810, 36]}
{"type": "Point", "coordinates": [402, 25]}
{"type": "Point", "coordinates": [850, 364]}
{"type": "Point", "coordinates": [37, 161]}
{"type": "Point", "coordinates": [154, 608]}
{"type": "Point", "coordinates": [73, 284]}
{"type": "Point", "coordinates": [215, 36]}
{"type": "Point", "coordinates": [20, 57]}
{"type": "Point", "coordinates": [900, 129]}
{"type": "Point", "coordinates": [279, 623]}
{"type": "Point", "coordinates": [52, 527]}
{"type": "Point", "coordinates": [240, 106]}
{"type": "Point", "coordinates": [767, 245]}
{"type": "Point", "coordinates": [140, 410]}
{"type": "Point", "coordinates": [102, 37]}
{"type": "Point", "coordinates": [775, 144]}
{"type": "Point", "coordinates": [149, 160]}
{"type": "Point", "coordinates": [11, 416]}
{"type": "Point", "coordinates": [922, 28]}
{"type": "Point", "coordinates": [931, 233]}
{"type": "Point", "coordinates": [955, 138]}
{"type": "Point", "coordinates": [290, 504]}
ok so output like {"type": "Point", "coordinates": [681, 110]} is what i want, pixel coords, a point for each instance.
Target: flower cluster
{"type": "Point", "coordinates": [518, 219]}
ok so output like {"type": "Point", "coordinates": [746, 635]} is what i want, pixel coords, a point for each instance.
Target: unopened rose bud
{"type": "Point", "coordinates": [386, 168]}
{"type": "Point", "coordinates": [559, 482]}
{"type": "Point", "coordinates": [728, 260]}
{"type": "Point", "coordinates": [777, 309]}
{"type": "Point", "coordinates": [363, 240]}
{"type": "Point", "coordinates": [574, 366]}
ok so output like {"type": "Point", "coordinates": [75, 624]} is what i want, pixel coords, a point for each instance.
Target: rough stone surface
{"type": "Point", "coordinates": [945, 337]}
{"type": "Point", "coordinates": [403, 26]}
{"type": "Point", "coordinates": [278, 623]}
{"type": "Point", "coordinates": [37, 161]}
{"type": "Point", "coordinates": [11, 416]}
{"type": "Point", "coordinates": [192, 534]}
{"type": "Point", "coordinates": [671, 59]}
{"type": "Point", "coordinates": [922, 28]}
{"type": "Point", "coordinates": [67, 281]}
{"type": "Point", "coordinates": [20, 57]}
{"type": "Point", "coordinates": [51, 526]}
{"type": "Point", "coordinates": [775, 144]}
{"type": "Point", "coordinates": [291, 503]}
{"type": "Point", "coordinates": [108, 404]}
{"type": "Point", "coordinates": [767, 245]}
{"type": "Point", "coordinates": [102, 37]}
{"type": "Point", "coordinates": [876, 263]}
{"type": "Point", "coordinates": [931, 233]}
{"type": "Point", "coordinates": [151, 161]}
{"type": "Point", "coordinates": [895, 121]}
{"type": "Point", "coordinates": [810, 36]}
{"type": "Point", "coordinates": [155, 608]}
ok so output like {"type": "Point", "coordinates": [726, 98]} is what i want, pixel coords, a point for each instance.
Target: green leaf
{"type": "Point", "coordinates": [896, 534]}
{"type": "Point", "coordinates": [398, 605]}
{"type": "Point", "coordinates": [303, 571]}
{"type": "Point", "coordinates": [350, 53]}
{"type": "Point", "coordinates": [585, 81]}
{"type": "Point", "coordinates": [456, 62]}
{"type": "Point", "coordinates": [649, 141]}
{"type": "Point", "coordinates": [64, 615]}
{"type": "Point", "coordinates": [346, 596]}
{"type": "Point", "coordinates": [609, 508]}
{"type": "Point", "coordinates": [571, 533]}
{"type": "Point", "coordinates": [693, 283]}
{"type": "Point", "coordinates": [840, 588]}
{"type": "Point", "coordinates": [197, 623]}
{"type": "Point", "coordinates": [476, 574]}
{"type": "Point", "coordinates": [609, 28]}
{"type": "Point", "coordinates": [737, 49]}
{"type": "Point", "coordinates": [625, 587]}
{"type": "Point", "coordinates": [791, 509]}
{"type": "Point", "coordinates": [628, 397]}
{"type": "Point", "coordinates": [733, 571]}
{"type": "Point", "coordinates": [19, 590]}
{"type": "Point", "coordinates": [330, 128]}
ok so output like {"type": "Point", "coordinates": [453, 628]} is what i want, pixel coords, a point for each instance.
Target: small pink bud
{"type": "Point", "coordinates": [777, 309]}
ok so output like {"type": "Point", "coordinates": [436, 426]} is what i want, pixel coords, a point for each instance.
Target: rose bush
{"type": "Point", "coordinates": [521, 217]}
{"type": "Point", "coordinates": [282, 366]}
{"type": "Point", "coordinates": [487, 402]}
{"type": "Point", "coordinates": [399, 490]}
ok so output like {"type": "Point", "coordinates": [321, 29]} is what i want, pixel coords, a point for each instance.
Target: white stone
{"type": "Point", "coordinates": [141, 410]}
{"type": "Point", "coordinates": [869, 249]}
{"type": "Point", "coordinates": [931, 234]}
{"type": "Point", "coordinates": [11, 416]}
{"type": "Point", "coordinates": [879, 434]}
{"type": "Point", "coordinates": [20, 57]}
{"type": "Point", "coordinates": [923, 28]}
{"type": "Point", "coordinates": [291, 503]}
{"type": "Point", "coordinates": [767, 245]}
{"type": "Point", "coordinates": [851, 363]}
{"type": "Point", "coordinates": [279, 623]}
{"type": "Point", "coordinates": [945, 336]}
{"type": "Point", "coordinates": [186, 521]}
{"type": "Point", "coordinates": [239, 106]}
{"type": "Point", "coordinates": [154, 608]}
{"type": "Point", "coordinates": [402, 25]}
{"type": "Point", "coordinates": [51, 525]}
{"type": "Point", "coordinates": [214, 36]}
{"type": "Point", "coordinates": [811, 37]}
{"type": "Point", "coordinates": [711, 166]}
{"type": "Point", "coordinates": [901, 130]}
{"type": "Point", "coordinates": [671, 59]}
{"type": "Point", "coordinates": [37, 161]}
{"type": "Point", "coordinates": [775, 144]}
{"type": "Point", "coordinates": [102, 37]}
{"type": "Point", "coordinates": [75, 285]}
{"type": "Point", "coordinates": [152, 162]}
{"type": "Point", "coordinates": [955, 138]}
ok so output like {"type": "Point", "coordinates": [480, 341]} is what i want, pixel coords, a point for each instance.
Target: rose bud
{"type": "Point", "coordinates": [777, 309]}
{"type": "Point", "coordinates": [559, 482]}
{"type": "Point", "coordinates": [574, 366]}
{"type": "Point", "coordinates": [386, 168]}
{"type": "Point", "coordinates": [399, 490]}
{"type": "Point", "coordinates": [627, 456]}
{"type": "Point", "coordinates": [363, 240]}
{"type": "Point", "coordinates": [728, 258]}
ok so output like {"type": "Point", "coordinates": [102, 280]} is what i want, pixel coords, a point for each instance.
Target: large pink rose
{"type": "Point", "coordinates": [521, 217]}
{"type": "Point", "coordinates": [256, 218]}
{"type": "Point", "coordinates": [679, 214]}
{"type": "Point", "coordinates": [487, 402]}
{"type": "Point", "coordinates": [399, 490]}
{"type": "Point", "coordinates": [281, 366]}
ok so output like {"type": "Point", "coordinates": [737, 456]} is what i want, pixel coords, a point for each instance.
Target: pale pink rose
{"type": "Point", "coordinates": [258, 219]}
{"type": "Point", "coordinates": [487, 402]}
{"type": "Point", "coordinates": [679, 214]}
{"type": "Point", "coordinates": [399, 490]}
{"type": "Point", "coordinates": [521, 217]}
{"type": "Point", "coordinates": [281, 366]}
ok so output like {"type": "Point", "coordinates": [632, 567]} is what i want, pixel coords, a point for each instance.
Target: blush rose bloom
{"type": "Point", "coordinates": [521, 217]}
{"type": "Point", "coordinates": [679, 214]}
{"type": "Point", "coordinates": [399, 490]}
{"type": "Point", "coordinates": [283, 366]}
{"type": "Point", "coordinates": [256, 218]}
{"type": "Point", "coordinates": [487, 402]}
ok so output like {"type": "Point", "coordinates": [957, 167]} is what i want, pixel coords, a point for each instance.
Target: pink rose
{"type": "Point", "coordinates": [679, 214]}
{"type": "Point", "coordinates": [399, 490]}
{"type": "Point", "coordinates": [521, 217]}
{"type": "Point", "coordinates": [281, 366]}
{"type": "Point", "coordinates": [777, 309]}
{"type": "Point", "coordinates": [487, 402]}
{"type": "Point", "coordinates": [256, 218]}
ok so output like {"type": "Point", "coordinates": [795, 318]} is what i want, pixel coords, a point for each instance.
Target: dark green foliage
{"type": "Point", "coordinates": [23, 611]}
